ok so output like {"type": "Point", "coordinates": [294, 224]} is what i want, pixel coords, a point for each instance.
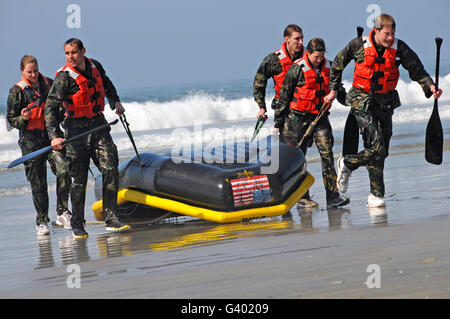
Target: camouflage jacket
{"type": "Point", "coordinates": [269, 67]}
{"type": "Point", "coordinates": [64, 85]}
{"type": "Point", "coordinates": [355, 51]}
{"type": "Point", "coordinates": [17, 100]}
{"type": "Point", "coordinates": [294, 77]}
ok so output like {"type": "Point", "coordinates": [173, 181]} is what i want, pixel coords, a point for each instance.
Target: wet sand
{"type": "Point", "coordinates": [306, 254]}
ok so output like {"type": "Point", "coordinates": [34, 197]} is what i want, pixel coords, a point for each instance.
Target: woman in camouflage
{"type": "Point", "coordinates": [300, 101]}
{"type": "Point", "coordinates": [26, 102]}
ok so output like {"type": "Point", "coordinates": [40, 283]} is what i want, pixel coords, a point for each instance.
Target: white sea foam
{"type": "Point", "coordinates": [6, 137]}
{"type": "Point", "coordinates": [178, 113]}
{"type": "Point", "coordinates": [153, 122]}
{"type": "Point", "coordinates": [26, 189]}
{"type": "Point", "coordinates": [215, 109]}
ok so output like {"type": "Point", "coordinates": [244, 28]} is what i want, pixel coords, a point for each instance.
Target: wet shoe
{"type": "Point", "coordinates": [64, 220]}
{"type": "Point", "coordinates": [307, 203]}
{"type": "Point", "coordinates": [115, 226]}
{"type": "Point", "coordinates": [42, 229]}
{"type": "Point", "coordinates": [79, 233]}
{"type": "Point", "coordinates": [375, 201]}
{"type": "Point", "coordinates": [343, 175]}
{"type": "Point", "coordinates": [338, 202]}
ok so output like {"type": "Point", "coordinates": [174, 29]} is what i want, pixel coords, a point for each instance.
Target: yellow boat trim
{"type": "Point", "coordinates": [205, 213]}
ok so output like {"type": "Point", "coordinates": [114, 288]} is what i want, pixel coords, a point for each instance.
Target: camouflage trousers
{"type": "Point", "coordinates": [375, 127]}
{"type": "Point", "coordinates": [36, 172]}
{"type": "Point", "coordinates": [101, 149]}
{"type": "Point", "coordinates": [295, 127]}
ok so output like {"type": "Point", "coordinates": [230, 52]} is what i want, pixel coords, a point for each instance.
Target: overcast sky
{"type": "Point", "coordinates": [153, 43]}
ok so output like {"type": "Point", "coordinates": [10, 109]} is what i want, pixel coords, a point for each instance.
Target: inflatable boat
{"type": "Point", "coordinates": [246, 183]}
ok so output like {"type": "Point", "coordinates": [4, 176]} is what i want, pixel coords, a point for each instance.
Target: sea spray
{"type": "Point", "coordinates": [153, 121]}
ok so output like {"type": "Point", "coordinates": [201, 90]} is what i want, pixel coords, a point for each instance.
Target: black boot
{"type": "Point", "coordinates": [79, 232]}
{"type": "Point", "coordinates": [113, 224]}
{"type": "Point", "coordinates": [335, 200]}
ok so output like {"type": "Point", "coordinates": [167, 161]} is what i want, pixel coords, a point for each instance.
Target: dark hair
{"type": "Point", "coordinates": [27, 59]}
{"type": "Point", "coordinates": [75, 41]}
{"type": "Point", "coordinates": [316, 45]}
{"type": "Point", "coordinates": [290, 29]}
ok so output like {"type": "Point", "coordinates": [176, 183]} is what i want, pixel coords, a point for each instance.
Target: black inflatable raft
{"type": "Point", "coordinates": [251, 183]}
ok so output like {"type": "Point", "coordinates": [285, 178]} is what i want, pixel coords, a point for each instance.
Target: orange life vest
{"type": "Point", "coordinates": [377, 74]}
{"type": "Point", "coordinates": [89, 101]}
{"type": "Point", "coordinates": [286, 63]}
{"type": "Point", "coordinates": [309, 97]}
{"type": "Point", "coordinates": [37, 118]}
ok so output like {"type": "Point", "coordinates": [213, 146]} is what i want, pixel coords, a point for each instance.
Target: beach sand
{"type": "Point", "coordinates": [322, 253]}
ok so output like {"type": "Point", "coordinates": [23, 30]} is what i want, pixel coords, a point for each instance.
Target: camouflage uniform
{"type": "Point", "coordinates": [295, 124]}
{"type": "Point", "coordinates": [373, 112]}
{"type": "Point", "coordinates": [98, 146]}
{"type": "Point", "coordinates": [36, 169]}
{"type": "Point", "coordinates": [269, 67]}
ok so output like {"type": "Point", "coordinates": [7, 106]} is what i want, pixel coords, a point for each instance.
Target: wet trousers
{"type": "Point", "coordinates": [101, 149]}
{"type": "Point", "coordinates": [375, 127]}
{"type": "Point", "coordinates": [296, 126]}
{"type": "Point", "coordinates": [36, 172]}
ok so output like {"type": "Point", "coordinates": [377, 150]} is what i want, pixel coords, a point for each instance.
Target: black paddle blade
{"type": "Point", "coordinates": [359, 31]}
{"type": "Point", "coordinates": [351, 136]}
{"type": "Point", "coordinates": [434, 138]}
{"type": "Point", "coordinates": [29, 156]}
{"type": "Point", "coordinates": [46, 149]}
{"type": "Point", "coordinates": [259, 124]}
{"type": "Point", "coordinates": [351, 130]}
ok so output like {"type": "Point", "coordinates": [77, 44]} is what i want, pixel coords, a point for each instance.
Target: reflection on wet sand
{"type": "Point", "coordinates": [195, 233]}
{"type": "Point", "coordinates": [46, 258]}
{"type": "Point", "coordinates": [161, 238]}
{"type": "Point", "coordinates": [72, 251]}
{"type": "Point", "coordinates": [337, 218]}
{"type": "Point", "coordinates": [378, 215]}
{"type": "Point", "coordinates": [167, 235]}
{"type": "Point", "coordinates": [221, 232]}
{"type": "Point", "coordinates": [112, 245]}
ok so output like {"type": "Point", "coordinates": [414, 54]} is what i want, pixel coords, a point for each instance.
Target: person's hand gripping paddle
{"type": "Point", "coordinates": [46, 149]}
{"type": "Point", "coordinates": [259, 124]}
{"type": "Point", "coordinates": [311, 126]}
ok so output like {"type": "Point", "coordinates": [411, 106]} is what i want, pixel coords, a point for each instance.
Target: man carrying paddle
{"type": "Point", "coordinates": [373, 98]}
{"type": "Point", "coordinates": [275, 65]}
{"type": "Point", "coordinates": [301, 101]}
{"type": "Point", "coordinates": [81, 87]}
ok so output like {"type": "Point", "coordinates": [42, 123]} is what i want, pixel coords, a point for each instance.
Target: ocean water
{"type": "Point", "coordinates": [211, 112]}
{"type": "Point", "coordinates": [208, 113]}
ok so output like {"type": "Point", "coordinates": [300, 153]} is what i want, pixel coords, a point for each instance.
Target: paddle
{"type": "Point", "coordinates": [313, 124]}
{"type": "Point", "coordinates": [46, 149]}
{"type": "Point", "coordinates": [434, 137]}
{"type": "Point", "coordinates": [259, 123]}
{"type": "Point", "coordinates": [126, 126]}
{"type": "Point", "coordinates": [351, 131]}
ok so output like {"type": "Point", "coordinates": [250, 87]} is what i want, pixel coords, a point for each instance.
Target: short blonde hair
{"type": "Point", "coordinates": [384, 20]}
